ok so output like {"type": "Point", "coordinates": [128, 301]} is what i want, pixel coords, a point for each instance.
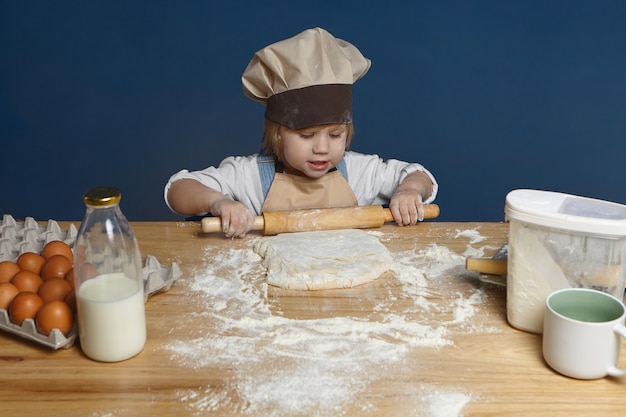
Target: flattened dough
{"type": "Point", "coordinates": [323, 260]}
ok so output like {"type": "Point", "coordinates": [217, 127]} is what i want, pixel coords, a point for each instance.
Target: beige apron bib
{"type": "Point", "coordinates": [292, 192]}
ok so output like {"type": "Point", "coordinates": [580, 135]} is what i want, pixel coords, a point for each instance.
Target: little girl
{"type": "Point", "coordinates": [305, 82]}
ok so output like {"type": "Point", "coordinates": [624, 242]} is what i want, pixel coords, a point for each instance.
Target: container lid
{"type": "Point", "coordinates": [567, 212]}
{"type": "Point", "coordinates": [102, 197]}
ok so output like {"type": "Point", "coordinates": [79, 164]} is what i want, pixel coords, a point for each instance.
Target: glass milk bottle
{"type": "Point", "coordinates": [108, 281]}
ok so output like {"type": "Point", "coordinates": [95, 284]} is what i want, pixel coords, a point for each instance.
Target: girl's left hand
{"type": "Point", "coordinates": [407, 207]}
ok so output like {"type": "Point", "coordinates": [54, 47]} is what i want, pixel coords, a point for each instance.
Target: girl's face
{"type": "Point", "coordinates": [313, 151]}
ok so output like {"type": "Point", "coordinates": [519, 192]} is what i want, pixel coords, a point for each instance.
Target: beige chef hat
{"type": "Point", "coordinates": [305, 80]}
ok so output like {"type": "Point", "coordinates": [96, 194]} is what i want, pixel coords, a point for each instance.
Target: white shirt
{"type": "Point", "coordinates": [373, 180]}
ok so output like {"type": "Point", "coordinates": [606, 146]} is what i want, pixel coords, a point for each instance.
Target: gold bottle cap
{"type": "Point", "coordinates": [102, 196]}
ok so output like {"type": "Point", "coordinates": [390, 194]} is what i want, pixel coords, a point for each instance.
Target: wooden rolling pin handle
{"type": "Point", "coordinates": [487, 265]}
{"type": "Point", "coordinates": [214, 224]}
{"type": "Point", "coordinates": [431, 211]}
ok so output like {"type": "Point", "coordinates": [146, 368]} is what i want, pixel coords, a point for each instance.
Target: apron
{"type": "Point", "coordinates": [292, 192]}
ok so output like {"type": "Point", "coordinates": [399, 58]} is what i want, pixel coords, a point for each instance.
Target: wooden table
{"type": "Point", "coordinates": [426, 339]}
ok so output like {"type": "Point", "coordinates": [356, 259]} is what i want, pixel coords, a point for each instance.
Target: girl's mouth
{"type": "Point", "coordinates": [319, 165]}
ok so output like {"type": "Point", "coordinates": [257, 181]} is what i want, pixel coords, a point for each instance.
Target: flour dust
{"type": "Point", "coordinates": [280, 366]}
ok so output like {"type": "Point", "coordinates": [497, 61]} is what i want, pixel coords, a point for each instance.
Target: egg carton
{"type": "Point", "coordinates": [28, 330]}
{"type": "Point", "coordinates": [17, 237]}
{"type": "Point", "coordinates": [28, 236]}
{"type": "Point", "coordinates": [158, 278]}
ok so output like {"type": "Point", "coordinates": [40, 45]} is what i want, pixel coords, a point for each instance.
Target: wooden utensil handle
{"type": "Point", "coordinates": [487, 265]}
{"type": "Point", "coordinates": [431, 211]}
{"type": "Point", "coordinates": [214, 224]}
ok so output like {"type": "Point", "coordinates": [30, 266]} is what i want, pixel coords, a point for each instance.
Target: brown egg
{"type": "Point", "coordinates": [57, 247]}
{"type": "Point", "coordinates": [27, 281]}
{"type": "Point", "coordinates": [8, 269]}
{"type": "Point", "coordinates": [54, 289]}
{"type": "Point", "coordinates": [69, 277]}
{"type": "Point", "coordinates": [30, 261]}
{"type": "Point", "coordinates": [8, 292]}
{"type": "Point", "coordinates": [24, 306]}
{"type": "Point", "coordinates": [55, 267]}
{"type": "Point", "coordinates": [54, 315]}
{"type": "Point", "coordinates": [70, 300]}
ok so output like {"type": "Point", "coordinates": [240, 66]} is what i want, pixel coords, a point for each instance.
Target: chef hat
{"type": "Point", "coordinates": [305, 80]}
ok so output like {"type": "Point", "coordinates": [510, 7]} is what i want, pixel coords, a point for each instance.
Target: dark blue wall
{"type": "Point", "coordinates": [489, 95]}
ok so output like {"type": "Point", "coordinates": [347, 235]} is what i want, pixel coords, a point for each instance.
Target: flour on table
{"type": "Point", "coordinates": [323, 260]}
{"type": "Point", "coordinates": [278, 366]}
{"type": "Point", "coordinates": [473, 234]}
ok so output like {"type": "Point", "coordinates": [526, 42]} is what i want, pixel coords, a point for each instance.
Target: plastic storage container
{"type": "Point", "coordinates": [558, 241]}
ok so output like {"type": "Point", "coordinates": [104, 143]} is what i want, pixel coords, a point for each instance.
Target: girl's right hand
{"type": "Point", "coordinates": [237, 220]}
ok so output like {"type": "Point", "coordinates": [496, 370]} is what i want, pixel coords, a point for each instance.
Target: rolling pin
{"type": "Point", "coordinates": [362, 217]}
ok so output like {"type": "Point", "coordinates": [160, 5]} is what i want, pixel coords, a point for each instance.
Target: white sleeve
{"type": "Point", "coordinates": [237, 177]}
{"type": "Point", "coordinates": [374, 181]}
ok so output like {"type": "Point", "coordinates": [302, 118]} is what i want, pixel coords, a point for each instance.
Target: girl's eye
{"type": "Point", "coordinates": [306, 135]}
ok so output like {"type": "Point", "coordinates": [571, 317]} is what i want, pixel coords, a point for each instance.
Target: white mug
{"type": "Point", "coordinates": [582, 333]}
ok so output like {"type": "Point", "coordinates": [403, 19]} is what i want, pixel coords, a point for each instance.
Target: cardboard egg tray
{"type": "Point", "coordinates": [17, 237]}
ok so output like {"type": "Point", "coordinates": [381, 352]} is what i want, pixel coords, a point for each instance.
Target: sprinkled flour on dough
{"type": "Point", "coordinates": [283, 366]}
{"type": "Point", "coordinates": [323, 260]}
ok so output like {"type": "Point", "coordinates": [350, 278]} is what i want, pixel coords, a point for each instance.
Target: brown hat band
{"type": "Point", "coordinates": [310, 106]}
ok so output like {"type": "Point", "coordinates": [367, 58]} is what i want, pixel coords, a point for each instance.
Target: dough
{"type": "Point", "coordinates": [323, 260]}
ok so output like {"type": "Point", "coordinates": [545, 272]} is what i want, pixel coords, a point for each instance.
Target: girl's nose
{"type": "Point", "coordinates": [321, 144]}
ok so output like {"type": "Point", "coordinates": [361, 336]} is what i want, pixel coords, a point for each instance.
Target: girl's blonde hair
{"type": "Point", "coordinates": [273, 144]}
